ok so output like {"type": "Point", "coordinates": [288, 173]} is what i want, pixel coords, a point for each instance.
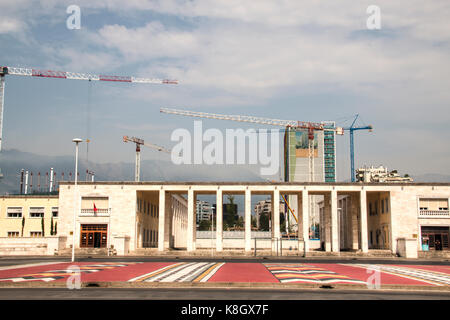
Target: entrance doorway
{"type": "Point", "coordinates": [438, 237]}
{"type": "Point", "coordinates": [94, 235]}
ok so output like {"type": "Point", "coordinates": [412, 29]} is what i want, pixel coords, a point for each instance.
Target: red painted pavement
{"type": "Point", "coordinates": [243, 272]}
{"type": "Point", "coordinates": [133, 270]}
{"type": "Point", "coordinates": [442, 269]}
{"type": "Point", "coordinates": [18, 272]}
{"type": "Point", "coordinates": [229, 272]}
{"type": "Point", "coordinates": [360, 273]}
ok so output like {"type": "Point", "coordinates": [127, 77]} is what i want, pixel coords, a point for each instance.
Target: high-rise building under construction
{"type": "Point", "coordinates": [297, 167]}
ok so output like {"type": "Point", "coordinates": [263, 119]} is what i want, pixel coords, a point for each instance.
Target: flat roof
{"type": "Point", "coordinates": [29, 196]}
{"type": "Point", "coordinates": [255, 183]}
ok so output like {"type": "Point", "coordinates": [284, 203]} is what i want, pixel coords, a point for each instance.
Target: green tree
{"type": "Point", "coordinates": [23, 224]}
{"type": "Point", "coordinates": [240, 222]}
{"type": "Point", "coordinates": [56, 229]}
{"type": "Point", "coordinates": [230, 215]}
{"type": "Point", "coordinates": [42, 225]}
{"type": "Point", "coordinates": [51, 226]}
{"type": "Point", "coordinates": [204, 225]}
{"type": "Point", "coordinates": [253, 222]}
{"type": "Point", "coordinates": [264, 222]}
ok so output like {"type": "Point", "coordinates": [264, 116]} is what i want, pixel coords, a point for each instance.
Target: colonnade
{"type": "Point", "coordinates": [359, 211]}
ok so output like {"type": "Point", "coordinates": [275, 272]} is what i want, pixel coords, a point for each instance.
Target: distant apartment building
{"type": "Point", "coordinates": [264, 208]}
{"type": "Point", "coordinates": [380, 174]}
{"type": "Point", "coordinates": [204, 210]}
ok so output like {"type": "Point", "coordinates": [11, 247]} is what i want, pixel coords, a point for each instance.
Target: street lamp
{"type": "Point", "coordinates": [77, 141]}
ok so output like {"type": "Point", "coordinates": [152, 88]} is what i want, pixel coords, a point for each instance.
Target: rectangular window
{"type": "Point", "coordinates": [55, 212]}
{"type": "Point", "coordinates": [387, 205]}
{"type": "Point", "coordinates": [433, 204]}
{"type": "Point", "coordinates": [35, 234]}
{"type": "Point", "coordinates": [36, 212]}
{"type": "Point", "coordinates": [382, 205]}
{"type": "Point", "coordinates": [14, 212]}
{"type": "Point", "coordinates": [13, 234]}
{"type": "Point", "coordinates": [443, 208]}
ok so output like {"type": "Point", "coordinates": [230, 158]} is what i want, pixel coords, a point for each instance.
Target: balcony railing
{"type": "Point", "coordinates": [96, 213]}
{"type": "Point", "coordinates": [434, 214]}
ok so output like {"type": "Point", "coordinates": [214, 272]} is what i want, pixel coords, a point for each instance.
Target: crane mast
{"type": "Point", "coordinates": [140, 142]}
{"type": "Point", "coordinates": [351, 129]}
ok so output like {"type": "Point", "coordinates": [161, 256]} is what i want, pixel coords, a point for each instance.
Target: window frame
{"type": "Point", "coordinates": [42, 214]}
{"type": "Point", "coordinates": [8, 213]}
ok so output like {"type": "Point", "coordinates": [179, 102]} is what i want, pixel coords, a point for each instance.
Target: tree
{"type": "Point", "coordinates": [56, 229]}
{"type": "Point", "coordinates": [264, 222]}
{"type": "Point", "coordinates": [240, 222]}
{"type": "Point", "coordinates": [230, 213]}
{"type": "Point", "coordinates": [254, 222]}
{"type": "Point", "coordinates": [23, 224]}
{"type": "Point", "coordinates": [204, 225]}
{"type": "Point", "coordinates": [51, 227]}
{"type": "Point", "coordinates": [42, 225]}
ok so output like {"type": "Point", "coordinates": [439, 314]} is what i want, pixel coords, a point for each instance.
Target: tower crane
{"type": "Point", "coordinates": [140, 142]}
{"type": "Point", "coordinates": [65, 75]}
{"type": "Point", "coordinates": [288, 124]}
{"type": "Point", "coordinates": [351, 129]}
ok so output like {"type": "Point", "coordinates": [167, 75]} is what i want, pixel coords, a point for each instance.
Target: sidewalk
{"type": "Point", "coordinates": [216, 274]}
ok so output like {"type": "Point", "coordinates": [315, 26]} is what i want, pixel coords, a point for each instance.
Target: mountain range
{"type": "Point", "coordinates": [12, 161]}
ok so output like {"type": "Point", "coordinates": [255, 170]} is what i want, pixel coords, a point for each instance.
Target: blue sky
{"type": "Point", "coordinates": [302, 60]}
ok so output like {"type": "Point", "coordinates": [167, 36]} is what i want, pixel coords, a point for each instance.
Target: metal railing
{"type": "Point", "coordinates": [275, 245]}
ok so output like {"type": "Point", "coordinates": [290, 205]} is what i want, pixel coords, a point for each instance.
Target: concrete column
{"type": "Point", "coordinates": [276, 214]}
{"type": "Point", "coordinates": [299, 213]}
{"type": "Point", "coordinates": [327, 222]}
{"type": "Point", "coordinates": [168, 238]}
{"type": "Point", "coordinates": [191, 224]}
{"type": "Point", "coordinates": [248, 220]}
{"type": "Point", "coordinates": [161, 219]}
{"type": "Point", "coordinates": [354, 208]}
{"type": "Point", "coordinates": [139, 244]}
{"type": "Point", "coordinates": [334, 222]}
{"type": "Point", "coordinates": [219, 220]}
{"type": "Point", "coordinates": [363, 220]}
{"type": "Point", "coordinates": [305, 219]}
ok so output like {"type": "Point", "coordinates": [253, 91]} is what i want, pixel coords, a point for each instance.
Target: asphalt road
{"type": "Point", "coordinates": [214, 294]}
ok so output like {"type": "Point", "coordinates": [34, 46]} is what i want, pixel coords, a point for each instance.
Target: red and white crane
{"type": "Point", "coordinates": [288, 124]}
{"type": "Point", "coordinates": [140, 142]}
{"type": "Point", "coordinates": [65, 75]}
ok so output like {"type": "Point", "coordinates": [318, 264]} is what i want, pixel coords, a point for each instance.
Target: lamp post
{"type": "Point", "coordinates": [77, 141]}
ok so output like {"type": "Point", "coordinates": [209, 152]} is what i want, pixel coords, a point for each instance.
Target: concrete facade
{"type": "Point", "coordinates": [389, 211]}
{"type": "Point", "coordinates": [137, 215]}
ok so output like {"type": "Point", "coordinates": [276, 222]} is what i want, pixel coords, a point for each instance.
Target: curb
{"type": "Point", "coordinates": [223, 285]}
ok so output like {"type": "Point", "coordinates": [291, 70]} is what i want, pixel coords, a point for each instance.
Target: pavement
{"type": "Point", "coordinates": [229, 294]}
{"type": "Point", "coordinates": [262, 274]}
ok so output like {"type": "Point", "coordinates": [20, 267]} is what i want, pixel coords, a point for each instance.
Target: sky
{"type": "Point", "coordinates": [293, 60]}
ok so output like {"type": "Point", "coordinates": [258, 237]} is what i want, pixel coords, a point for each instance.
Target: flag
{"type": "Point", "coordinates": [95, 208]}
